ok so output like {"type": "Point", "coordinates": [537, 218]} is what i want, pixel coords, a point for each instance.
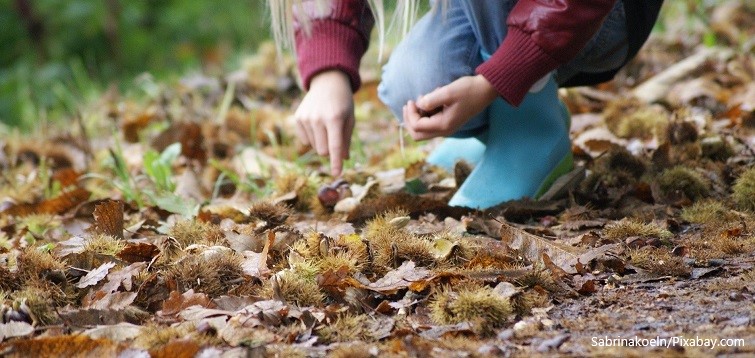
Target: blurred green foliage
{"type": "Point", "coordinates": [57, 52]}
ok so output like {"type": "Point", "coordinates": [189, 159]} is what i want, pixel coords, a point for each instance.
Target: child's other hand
{"type": "Point", "coordinates": [325, 117]}
{"type": "Point", "coordinates": [460, 101]}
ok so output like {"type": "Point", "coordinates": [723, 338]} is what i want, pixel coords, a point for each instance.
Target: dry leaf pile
{"type": "Point", "coordinates": [233, 242]}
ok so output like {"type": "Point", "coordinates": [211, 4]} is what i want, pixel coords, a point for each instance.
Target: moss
{"type": "Point", "coordinates": [708, 212]}
{"type": "Point", "coordinates": [189, 232]}
{"type": "Point", "coordinates": [744, 191]}
{"type": "Point", "coordinates": [622, 159]}
{"type": "Point", "coordinates": [272, 214]}
{"type": "Point", "coordinates": [627, 228]}
{"type": "Point", "coordinates": [34, 264]}
{"type": "Point", "coordinates": [470, 303]}
{"type": "Point", "coordinates": [38, 303]}
{"type": "Point", "coordinates": [345, 328]}
{"type": "Point", "coordinates": [304, 186]}
{"type": "Point", "coordinates": [340, 259]}
{"type": "Point", "coordinates": [683, 180]}
{"type": "Point", "coordinates": [659, 261]}
{"type": "Point", "coordinates": [294, 286]}
{"type": "Point", "coordinates": [102, 244]}
{"type": "Point", "coordinates": [633, 119]}
{"type": "Point", "coordinates": [215, 274]}
{"type": "Point", "coordinates": [405, 158]}
{"type": "Point", "coordinates": [524, 302]}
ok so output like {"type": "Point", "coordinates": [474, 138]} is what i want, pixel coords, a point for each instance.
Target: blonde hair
{"type": "Point", "coordinates": [282, 14]}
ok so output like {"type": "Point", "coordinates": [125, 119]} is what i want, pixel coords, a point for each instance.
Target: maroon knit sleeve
{"type": "Point", "coordinates": [542, 35]}
{"type": "Point", "coordinates": [337, 40]}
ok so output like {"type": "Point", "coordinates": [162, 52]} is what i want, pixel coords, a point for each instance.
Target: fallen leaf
{"type": "Point", "coordinates": [57, 205]}
{"type": "Point", "coordinates": [438, 332]}
{"type": "Point", "coordinates": [189, 134]}
{"type": "Point", "coordinates": [587, 288]}
{"type": "Point", "coordinates": [399, 278]}
{"type": "Point", "coordinates": [532, 247]}
{"type": "Point", "coordinates": [74, 245]}
{"type": "Point", "coordinates": [196, 313]}
{"type": "Point", "coordinates": [442, 248]}
{"type": "Point", "coordinates": [658, 87]}
{"type": "Point", "coordinates": [15, 329]}
{"type": "Point", "coordinates": [177, 302]}
{"type": "Point", "coordinates": [113, 301]}
{"type": "Point", "coordinates": [119, 332]}
{"type": "Point", "coordinates": [138, 252]}
{"type": "Point", "coordinates": [557, 272]}
{"type": "Point", "coordinates": [176, 348]}
{"type": "Point", "coordinates": [506, 289]}
{"type": "Point", "coordinates": [95, 317]}
{"type": "Point", "coordinates": [108, 218]}
{"type": "Point", "coordinates": [271, 312]}
{"type": "Point", "coordinates": [96, 275]}
{"type": "Point", "coordinates": [334, 282]}
{"type": "Point", "coordinates": [61, 346]}
{"type": "Point", "coordinates": [553, 343]}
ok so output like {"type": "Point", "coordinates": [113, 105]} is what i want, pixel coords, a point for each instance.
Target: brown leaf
{"type": "Point", "coordinates": [271, 312]}
{"type": "Point", "coordinates": [177, 302]}
{"type": "Point", "coordinates": [176, 348]}
{"type": "Point", "coordinates": [95, 276]}
{"type": "Point", "coordinates": [123, 277]}
{"type": "Point", "coordinates": [134, 123]}
{"type": "Point", "coordinates": [93, 317]}
{"type": "Point", "coordinates": [532, 247]}
{"type": "Point", "coordinates": [66, 177]}
{"type": "Point", "coordinates": [57, 205]}
{"type": "Point", "coordinates": [334, 282]}
{"type": "Point", "coordinates": [189, 134]}
{"type": "Point", "coordinates": [138, 252]}
{"type": "Point", "coordinates": [399, 278]}
{"type": "Point", "coordinates": [587, 288]}
{"type": "Point", "coordinates": [61, 346]}
{"type": "Point", "coordinates": [108, 218]}
{"type": "Point", "coordinates": [557, 272]}
{"type": "Point", "coordinates": [74, 245]}
{"type": "Point", "coordinates": [113, 301]}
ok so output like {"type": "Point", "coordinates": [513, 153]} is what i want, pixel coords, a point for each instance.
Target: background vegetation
{"type": "Point", "coordinates": [57, 52]}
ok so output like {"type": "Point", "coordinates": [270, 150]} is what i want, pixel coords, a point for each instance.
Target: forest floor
{"type": "Point", "coordinates": [186, 221]}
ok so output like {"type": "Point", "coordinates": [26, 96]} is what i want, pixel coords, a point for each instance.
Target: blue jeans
{"type": "Point", "coordinates": [449, 43]}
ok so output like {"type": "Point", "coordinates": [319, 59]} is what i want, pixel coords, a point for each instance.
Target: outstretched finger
{"type": "Point", "coordinates": [335, 147]}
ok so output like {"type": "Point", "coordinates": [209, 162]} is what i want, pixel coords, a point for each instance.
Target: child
{"type": "Point", "coordinates": [482, 72]}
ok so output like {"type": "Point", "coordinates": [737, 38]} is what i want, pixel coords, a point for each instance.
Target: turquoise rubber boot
{"type": "Point", "coordinates": [451, 150]}
{"type": "Point", "coordinates": [526, 150]}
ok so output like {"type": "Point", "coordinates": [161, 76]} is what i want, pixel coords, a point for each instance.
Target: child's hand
{"type": "Point", "coordinates": [325, 117]}
{"type": "Point", "coordinates": [460, 100]}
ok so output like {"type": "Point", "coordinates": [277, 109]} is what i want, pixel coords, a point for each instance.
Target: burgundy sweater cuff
{"type": "Point", "coordinates": [332, 45]}
{"type": "Point", "coordinates": [517, 64]}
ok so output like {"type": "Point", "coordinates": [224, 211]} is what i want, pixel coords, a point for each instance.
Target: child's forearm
{"type": "Point", "coordinates": [541, 37]}
{"type": "Point", "coordinates": [336, 40]}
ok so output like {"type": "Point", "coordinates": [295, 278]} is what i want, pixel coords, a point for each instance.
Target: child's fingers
{"type": "Point", "coordinates": [335, 147]}
{"type": "Point", "coordinates": [347, 137]}
{"type": "Point", "coordinates": [420, 128]}
{"type": "Point", "coordinates": [435, 99]}
{"type": "Point", "coordinates": [301, 133]}
{"type": "Point", "coordinates": [320, 138]}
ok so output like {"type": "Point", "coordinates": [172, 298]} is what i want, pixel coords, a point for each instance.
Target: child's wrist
{"type": "Point", "coordinates": [329, 78]}
{"type": "Point", "coordinates": [486, 90]}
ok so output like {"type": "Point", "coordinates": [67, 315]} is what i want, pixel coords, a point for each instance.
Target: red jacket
{"type": "Point", "coordinates": [542, 35]}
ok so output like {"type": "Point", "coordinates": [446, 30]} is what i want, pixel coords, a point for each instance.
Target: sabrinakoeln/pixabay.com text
{"type": "Point", "coordinates": [675, 341]}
